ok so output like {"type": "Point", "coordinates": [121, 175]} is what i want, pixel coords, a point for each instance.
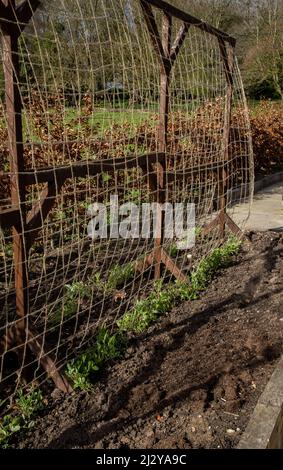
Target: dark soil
{"type": "Point", "coordinates": [194, 379]}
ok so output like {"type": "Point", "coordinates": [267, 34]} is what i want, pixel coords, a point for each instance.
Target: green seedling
{"type": "Point", "coordinates": [82, 369]}
{"type": "Point", "coordinates": [163, 298]}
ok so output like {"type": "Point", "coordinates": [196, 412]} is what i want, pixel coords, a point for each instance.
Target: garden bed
{"type": "Point", "coordinates": [193, 380]}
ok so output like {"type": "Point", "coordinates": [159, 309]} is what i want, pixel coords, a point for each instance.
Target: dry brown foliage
{"type": "Point", "coordinates": [194, 139]}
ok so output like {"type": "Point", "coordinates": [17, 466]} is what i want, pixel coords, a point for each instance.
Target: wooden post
{"type": "Point", "coordinates": [165, 83]}
{"type": "Point", "coordinates": [21, 333]}
{"type": "Point", "coordinates": [228, 57]}
{"type": "Point", "coordinates": [15, 144]}
{"type": "Point", "coordinates": [162, 137]}
{"type": "Point", "coordinates": [166, 55]}
{"type": "Point", "coordinates": [227, 50]}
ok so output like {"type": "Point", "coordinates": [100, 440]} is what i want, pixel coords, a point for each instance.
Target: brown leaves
{"type": "Point", "coordinates": [267, 132]}
{"type": "Point", "coordinates": [59, 135]}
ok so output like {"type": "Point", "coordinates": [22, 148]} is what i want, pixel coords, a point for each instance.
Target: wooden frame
{"type": "Point", "coordinates": [26, 226]}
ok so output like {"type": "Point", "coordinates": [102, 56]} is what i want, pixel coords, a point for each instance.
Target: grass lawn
{"type": "Point", "coordinates": [104, 118]}
{"type": "Point", "coordinates": [255, 105]}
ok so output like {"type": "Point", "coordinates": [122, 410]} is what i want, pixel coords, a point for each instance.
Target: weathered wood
{"type": "Point", "coordinates": [80, 169]}
{"type": "Point", "coordinates": [218, 221]}
{"type": "Point", "coordinates": [167, 55]}
{"type": "Point", "coordinates": [54, 178]}
{"type": "Point", "coordinates": [25, 11]}
{"type": "Point", "coordinates": [16, 339]}
{"type": "Point", "coordinates": [233, 226]}
{"type": "Point", "coordinates": [15, 139]}
{"type": "Point", "coordinates": [228, 58]}
{"type": "Point", "coordinates": [40, 211]}
{"type": "Point", "coordinates": [181, 15]}
{"type": "Point", "coordinates": [37, 346]}
{"type": "Point", "coordinates": [10, 217]}
{"type": "Point", "coordinates": [21, 334]}
{"type": "Point", "coordinates": [164, 86]}
{"type": "Point", "coordinates": [151, 177]}
{"type": "Point", "coordinates": [13, 104]}
{"type": "Point", "coordinates": [154, 35]}
{"type": "Point", "coordinates": [211, 226]}
{"type": "Point", "coordinates": [36, 208]}
{"type": "Point", "coordinates": [265, 428]}
{"type": "Point", "coordinates": [175, 49]}
{"type": "Point", "coordinates": [162, 141]}
{"type": "Point", "coordinates": [172, 267]}
{"type": "Point", "coordinates": [89, 168]}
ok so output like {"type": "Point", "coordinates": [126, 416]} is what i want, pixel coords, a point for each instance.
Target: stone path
{"type": "Point", "coordinates": [266, 212]}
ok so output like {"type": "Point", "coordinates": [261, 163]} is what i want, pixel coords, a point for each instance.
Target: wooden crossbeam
{"type": "Point", "coordinates": [211, 226]}
{"type": "Point", "coordinates": [92, 168]}
{"type": "Point", "coordinates": [54, 178]}
{"type": "Point", "coordinates": [175, 49]}
{"type": "Point", "coordinates": [17, 338]}
{"type": "Point", "coordinates": [40, 211]}
{"type": "Point", "coordinates": [37, 346]}
{"type": "Point", "coordinates": [154, 35]}
{"type": "Point", "coordinates": [47, 200]}
{"type": "Point", "coordinates": [26, 10]}
{"type": "Point", "coordinates": [228, 67]}
{"type": "Point", "coordinates": [14, 19]}
{"type": "Point", "coordinates": [166, 56]}
{"type": "Point", "coordinates": [172, 267]}
{"type": "Point", "coordinates": [181, 15]}
{"type": "Point", "coordinates": [218, 221]}
{"type": "Point", "coordinates": [89, 168]}
{"type": "Point", "coordinates": [233, 226]}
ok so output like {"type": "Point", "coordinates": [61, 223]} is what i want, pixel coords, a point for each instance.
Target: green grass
{"type": "Point", "coordinates": [104, 119]}
{"type": "Point", "coordinates": [27, 405]}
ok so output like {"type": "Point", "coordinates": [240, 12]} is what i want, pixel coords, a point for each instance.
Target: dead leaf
{"type": "Point", "coordinates": [120, 295]}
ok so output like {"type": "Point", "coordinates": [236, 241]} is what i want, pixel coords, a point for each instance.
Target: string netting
{"type": "Point", "coordinates": [90, 88]}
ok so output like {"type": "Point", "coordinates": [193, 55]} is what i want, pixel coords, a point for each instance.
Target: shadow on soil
{"type": "Point", "coordinates": [89, 433]}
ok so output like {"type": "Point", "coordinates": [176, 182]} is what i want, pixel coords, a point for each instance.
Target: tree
{"type": "Point", "coordinates": [264, 61]}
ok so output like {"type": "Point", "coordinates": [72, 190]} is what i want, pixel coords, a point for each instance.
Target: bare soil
{"type": "Point", "coordinates": [193, 380]}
